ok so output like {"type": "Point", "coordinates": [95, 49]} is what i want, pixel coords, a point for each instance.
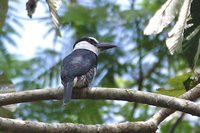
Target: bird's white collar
{"type": "Point", "coordinates": [88, 46]}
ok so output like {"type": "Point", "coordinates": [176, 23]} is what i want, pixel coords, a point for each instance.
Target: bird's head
{"type": "Point", "coordinates": [92, 44]}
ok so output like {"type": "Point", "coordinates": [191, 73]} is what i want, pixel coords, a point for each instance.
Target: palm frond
{"type": "Point", "coordinates": [163, 17]}
{"type": "Point", "coordinates": [53, 7]}
{"type": "Point", "coordinates": [175, 36]}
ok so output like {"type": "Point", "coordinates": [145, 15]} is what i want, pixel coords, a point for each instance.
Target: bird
{"type": "Point", "coordinates": [79, 67]}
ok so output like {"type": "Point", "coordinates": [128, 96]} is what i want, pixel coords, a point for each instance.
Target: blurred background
{"type": "Point", "coordinates": [31, 55]}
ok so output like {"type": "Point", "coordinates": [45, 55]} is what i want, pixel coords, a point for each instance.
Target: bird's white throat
{"type": "Point", "coordinates": [88, 46]}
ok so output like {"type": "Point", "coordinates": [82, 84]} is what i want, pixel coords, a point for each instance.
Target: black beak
{"type": "Point", "coordinates": [104, 45]}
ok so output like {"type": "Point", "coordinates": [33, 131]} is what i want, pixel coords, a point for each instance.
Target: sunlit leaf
{"type": "Point", "coordinates": [177, 81]}
{"type": "Point", "coordinates": [163, 17]}
{"type": "Point", "coordinates": [170, 92]}
{"type": "Point", "coordinates": [175, 36]}
{"type": "Point", "coordinates": [53, 7]}
{"type": "Point", "coordinates": [123, 83]}
{"type": "Point", "coordinates": [177, 86]}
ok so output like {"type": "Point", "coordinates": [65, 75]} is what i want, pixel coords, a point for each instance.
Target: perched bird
{"type": "Point", "coordinates": [79, 67]}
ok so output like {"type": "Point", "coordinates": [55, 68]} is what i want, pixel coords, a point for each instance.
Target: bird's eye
{"type": "Point", "coordinates": [91, 41]}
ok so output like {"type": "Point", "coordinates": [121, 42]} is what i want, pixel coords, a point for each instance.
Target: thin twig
{"type": "Point", "coordinates": [172, 129]}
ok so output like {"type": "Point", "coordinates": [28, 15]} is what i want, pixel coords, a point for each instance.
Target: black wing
{"type": "Point", "coordinates": [78, 63]}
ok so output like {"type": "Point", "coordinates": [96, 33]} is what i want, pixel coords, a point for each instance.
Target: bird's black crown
{"type": "Point", "coordinates": [91, 40]}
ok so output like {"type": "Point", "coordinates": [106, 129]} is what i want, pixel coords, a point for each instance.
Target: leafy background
{"type": "Point", "coordinates": [140, 62]}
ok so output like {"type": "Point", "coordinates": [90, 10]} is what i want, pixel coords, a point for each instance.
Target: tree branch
{"type": "Point", "coordinates": [161, 115]}
{"type": "Point", "coordinates": [95, 93]}
{"type": "Point", "coordinates": [40, 127]}
{"type": "Point", "coordinates": [107, 93]}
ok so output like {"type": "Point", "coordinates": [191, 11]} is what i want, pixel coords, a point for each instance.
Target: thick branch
{"type": "Point", "coordinates": [40, 127]}
{"type": "Point", "coordinates": [107, 93]}
{"type": "Point", "coordinates": [96, 93]}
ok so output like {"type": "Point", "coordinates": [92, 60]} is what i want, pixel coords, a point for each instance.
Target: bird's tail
{"type": "Point", "coordinates": [68, 91]}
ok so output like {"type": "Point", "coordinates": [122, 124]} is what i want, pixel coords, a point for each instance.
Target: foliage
{"type": "Point", "coordinates": [184, 36]}
{"type": "Point", "coordinates": [4, 10]}
{"type": "Point", "coordinates": [140, 62]}
{"type": "Point", "coordinates": [6, 86]}
{"type": "Point", "coordinates": [187, 128]}
{"type": "Point", "coordinates": [176, 85]}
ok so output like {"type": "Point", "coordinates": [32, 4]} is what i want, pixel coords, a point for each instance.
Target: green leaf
{"type": "Point", "coordinates": [177, 82]}
{"type": "Point", "coordinates": [177, 86]}
{"type": "Point", "coordinates": [3, 12]}
{"type": "Point", "coordinates": [6, 86]}
{"type": "Point", "coordinates": [123, 83]}
{"type": "Point", "coordinates": [183, 126]}
{"type": "Point", "coordinates": [170, 92]}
